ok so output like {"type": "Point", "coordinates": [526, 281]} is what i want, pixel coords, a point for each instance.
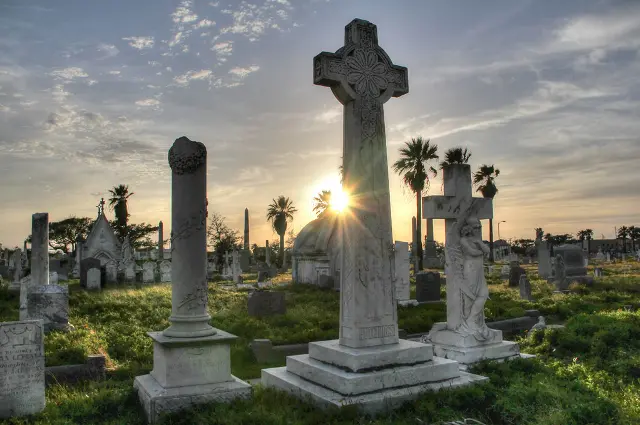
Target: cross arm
{"type": "Point", "coordinates": [399, 75]}
{"type": "Point", "coordinates": [328, 69]}
{"type": "Point", "coordinates": [451, 207]}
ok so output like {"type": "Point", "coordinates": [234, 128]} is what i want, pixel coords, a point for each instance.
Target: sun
{"type": "Point", "coordinates": [339, 200]}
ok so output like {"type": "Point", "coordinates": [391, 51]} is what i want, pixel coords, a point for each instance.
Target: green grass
{"type": "Point", "coordinates": [587, 373]}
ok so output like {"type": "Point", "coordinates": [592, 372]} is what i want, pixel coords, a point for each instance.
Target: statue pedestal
{"type": "Point", "coordinates": [186, 372]}
{"type": "Point", "coordinates": [466, 349]}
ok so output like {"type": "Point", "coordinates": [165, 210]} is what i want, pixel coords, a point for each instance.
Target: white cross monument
{"type": "Point", "coordinates": [465, 336]}
{"type": "Point", "coordinates": [368, 366]}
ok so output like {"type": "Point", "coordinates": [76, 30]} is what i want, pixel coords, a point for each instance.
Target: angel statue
{"type": "Point", "coordinates": [466, 254]}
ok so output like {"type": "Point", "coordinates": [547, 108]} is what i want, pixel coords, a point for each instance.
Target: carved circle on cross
{"type": "Point", "coordinates": [367, 75]}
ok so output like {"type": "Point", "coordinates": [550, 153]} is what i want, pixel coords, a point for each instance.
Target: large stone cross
{"type": "Point", "coordinates": [457, 203]}
{"type": "Point", "coordinates": [363, 78]}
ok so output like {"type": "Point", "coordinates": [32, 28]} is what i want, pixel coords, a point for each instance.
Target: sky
{"type": "Point", "coordinates": [93, 94]}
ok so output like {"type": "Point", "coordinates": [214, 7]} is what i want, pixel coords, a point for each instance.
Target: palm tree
{"type": "Point", "coordinates": [118, 201]}
{"type": "Point", "coordinates": [484, 178]}
{"type": "Point", "coordinates": [586, 234]}
{"type": "Point", "coordinates": [281, 211]}
{"type": "Point", "coordinates": [456, 155]}
{"type": "Point", "coordinates": [623, 233]}
{"type": "Point", "coordinates": [322, 203]}
{"type": "Point", "coordinates": [634, 234]}
{"type": "Point", "coordinates": [414, 167]}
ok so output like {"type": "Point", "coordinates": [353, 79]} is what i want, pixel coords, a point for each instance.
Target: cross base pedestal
{"type": "Point", "coordinates": [186, 372]}
{"type": "Point", "coordinates": [465, 349]}
{"type": "Point", "coordinates": [387, 375]}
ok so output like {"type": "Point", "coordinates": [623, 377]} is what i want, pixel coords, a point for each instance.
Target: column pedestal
{"type": "Point", "coordinates": [188, 371]}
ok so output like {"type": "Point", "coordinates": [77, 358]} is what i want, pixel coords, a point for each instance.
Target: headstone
{"type": "Point", "coordinates": [573, 264]}
{"type": "Point", "coordinates": [402, 269]}
{"type": "Point", "coordinates": [21, 368]}
{"type": "Point", "coordinates": [245, 260]}
{"type": "Point", "coordinates": [263, 276]}
{"type": "Point", "coordinates": [49, 303]}
{"type": "Point", "coordinates": [235, 267]}
{"type": "Point", "coordinates": [504, 272]}
{"type": "Point", "coordinates": [600, 255]}
{"type": "Point", "coordinates": [85, 265]}
{"type": "Point", "coordinates": [414, 244]}
{"type": "Point", "coordinates": [130, 272]}
{"type": "Point", "coordinates": [363, 78]}
{"type": "Point", "coordinates": [191, 359]}
{"type": "Point", "coordinates": [465, 336]}
{"type": "Point", "coordinates": [148, 272]}
{"type": "Point", "coordinates": [93, 279]}
{"type": "Point", "coordinates": [431, 259]}
{"type": "Point", "coordinates": [525, 288]}
{"type": "Point", "coordinates": [165, 271]}
{"type": "Point", "coordinates": [40, 249]}
{"type": "Point", "coordinates": [266, 303]}
{"type": "Point", "coordinates": [75, 272]}
{"type": "Point", "coordinates": [544, 259]}
{"type": "Point", "coordinates": [608, 257]}
{"type": "Point", "coordinates": [597, 271]}
{"type": "Point", "coordinates": [326, 281]}
{"type": "Point", "coordinates": [428, 287]}
{"type": "Point", "coordinates": [53, 278]}
{"type": "Point", "coordinates": [514, 274]}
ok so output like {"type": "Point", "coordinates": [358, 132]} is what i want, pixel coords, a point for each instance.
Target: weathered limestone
{"type": "Point", "coordinates": [525, 288]}
{"type": "Point", "coordinates": [149, 272]}
{"type": "Point", "coordinates": [544, 257]}
{"type": "Point", "coordinates": [245, 244]}
{"type": "Point", "coordinates": [369, 353]}
{"type": "Point", "coordinates": [428, 287]}
{"type": "Point", "coordinates": [93, 280]}
{"type": "Point", "coordinates": [235, 267]}
{"type": "Point", "coordinates": [40, 249]}
{"type": "Point", "coordinates": [160, 241]}
{"type": "Point", "coordinates": [165, 271]}
{"type": "Point", "coordinates": [431, 259]}
{"type": "Point", "coordinates": [75, 272]}
{"type": "Point", "coordinates": [465, 336]}
{"type": "Point", "coordinates": [21, 368]}
{"type": "Point", "coordinates": [191, 359]}
{"type": "Point", "coordinates": [402, 270]}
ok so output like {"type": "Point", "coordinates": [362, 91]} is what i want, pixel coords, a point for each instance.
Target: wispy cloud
{"type": "Point", "coordinates": [140, 43]}
{"type": "Point", "coordinates": [241, 72]}
{"type": "Point", "coordinates": [187, 77]}
{"type": "Point", "coordinates": [69, 73]}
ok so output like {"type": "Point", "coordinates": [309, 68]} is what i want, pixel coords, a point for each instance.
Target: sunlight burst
{"type": "Point", "coordinates": [339, 200]}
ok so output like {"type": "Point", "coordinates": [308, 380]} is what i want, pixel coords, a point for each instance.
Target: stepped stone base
{"type": "Point", "coordinates": [374, 378]}
{"type": "Point", "coordinates": [466, 349]}
{"type": "Point", "coordinates": [370, 403]}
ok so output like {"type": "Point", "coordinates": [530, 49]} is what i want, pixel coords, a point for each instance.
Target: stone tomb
{"type": "Point", "coordinates": [428, 287]}
{"type": "Point", "coordinates": [266, 303]}
{"type": "Point", "coordinates": [93, 279]}
{"type": "Point", "coordinates": [21, 368]}
{"type": "Point", "coordinates": [569, 267]}
{"type": "Point", "coordinates": [368, 366]}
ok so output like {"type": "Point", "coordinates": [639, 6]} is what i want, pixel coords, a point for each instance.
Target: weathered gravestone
{"type": "Point", "coordinates": [326, 281]}
{"type": "Point", "coordinates": [148, 272]}
{"type": "Point", "coordinates": [525, 288]}
{"type": "Point", "coordinates": [597, 272]}
{"type": "Point", "coordinates": [49, 303]}
{"type": "Point", "coordinates": [165, 271]}
{"type": "Point", "coordinates": [93, 279]}
{"type": "Point", "coordinates": [111, 271]}
{"type": "Point", "coordinates": [85, 265]}
{"type": "Point", "coordinates": [263, 276]}
{"type": "Point", "coordinates": [266, 303]}
{"type": "Point", "coordinates": [428, 287]}
{"type": "Point", "coordinates": [21, 368]}
{"type": "Point", "coordinates": [515, 272]}
{"type": "Point", "coordinates": [402, 268]}
{"type": "Point", "coordinates": [504, 272]}
{"type": "Point", "coordinates": [53, 278]}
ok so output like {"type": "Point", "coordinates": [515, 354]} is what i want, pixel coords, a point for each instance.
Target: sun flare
{"type": "Point", "coordinates": [339, 200]}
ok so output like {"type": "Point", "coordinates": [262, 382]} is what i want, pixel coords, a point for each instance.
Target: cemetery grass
{"type": "Point", "coordinates": [587, 373]}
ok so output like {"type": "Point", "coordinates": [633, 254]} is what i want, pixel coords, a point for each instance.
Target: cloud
{"type": "Point", "coordinates": [148, 102]}
{"type": "Point", "coordinates": [243, 72]}
{"type": "Point", "coordinates": [183, 13]}
{"type": "Point", "coordinates": [140, 43]}
{"type": "Point", "coordinates": [114, 72]}
{"type": "Point", "coordinates": [68, 73]}
{"type": "Point", "coordinates": [205, 23]}
{"type": "Point", "coordinates": [329, 116]}
{"type": "Point", "coordinates": [253, 21]}
{"type": "Point", "coordinates": [109, 50]}
{"type": "Point", "coordinates": [186, 78]}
